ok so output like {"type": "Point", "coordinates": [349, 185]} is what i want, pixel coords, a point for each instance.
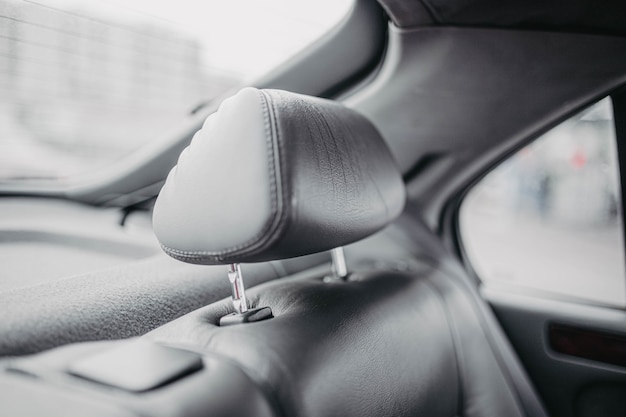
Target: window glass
{"type": "Point", "coordinates": [86, 82]}
{"type": "Point", "coordinates": [549, 218]}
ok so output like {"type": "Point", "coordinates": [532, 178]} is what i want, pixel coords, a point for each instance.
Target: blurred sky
{"type": "Point", "coordinates": [243, 37]}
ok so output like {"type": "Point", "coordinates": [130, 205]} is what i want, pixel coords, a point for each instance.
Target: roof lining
{"type": "Point", "coordinates": [604, 17]}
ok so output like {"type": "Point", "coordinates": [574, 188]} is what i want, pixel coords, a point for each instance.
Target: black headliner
{"type": "Point", "coordinates": [587, 16]}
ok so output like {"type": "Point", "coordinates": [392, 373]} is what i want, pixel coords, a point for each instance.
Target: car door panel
{"type": "Point", "coordinates": [570, 386]}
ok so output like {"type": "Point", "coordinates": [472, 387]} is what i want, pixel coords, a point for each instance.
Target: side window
{"type": "Point", "coordinates": [549, 218]}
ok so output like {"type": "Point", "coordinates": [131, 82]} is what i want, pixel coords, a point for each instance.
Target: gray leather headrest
{"type": "Point", "coordinates": [275, 175]}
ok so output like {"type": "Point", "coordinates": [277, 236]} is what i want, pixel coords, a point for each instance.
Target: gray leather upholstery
{"type": "Point", "coordinates": [404, 342]}
{"type": "Point", "coordinates": [274, 175]}
{"type": "Point", "coordinates": [378, 346]}
{"type": "Point", "coordinates": [406, 336]}
{"type": "Point", "coordinates": [216, 390]}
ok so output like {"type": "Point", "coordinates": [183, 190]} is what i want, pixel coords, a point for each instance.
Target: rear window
{"type": "Point", "coordinates": [86, 82]}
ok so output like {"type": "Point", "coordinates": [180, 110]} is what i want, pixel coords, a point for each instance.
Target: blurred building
{"type": "Point", "coordinates": [94, 85]}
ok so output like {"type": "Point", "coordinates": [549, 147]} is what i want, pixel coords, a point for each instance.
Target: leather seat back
{"type": "Point", "coordinates": [383, 343]}
{"type": "Point", "coordinates": [406, 335]}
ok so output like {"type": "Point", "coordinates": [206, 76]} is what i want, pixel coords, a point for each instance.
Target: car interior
{"type": "Point", "coordinates": [380, 226]}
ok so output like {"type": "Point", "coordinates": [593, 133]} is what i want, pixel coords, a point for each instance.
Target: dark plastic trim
{"type": "Point", "coordinates": [588, 344]}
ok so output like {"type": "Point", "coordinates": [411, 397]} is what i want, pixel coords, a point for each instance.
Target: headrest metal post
{"type": "Point", "coordinates": [239, 292]}
{"type": "Point", "coordinates": [340, 269]}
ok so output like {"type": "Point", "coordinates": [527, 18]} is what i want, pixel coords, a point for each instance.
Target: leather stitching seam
{"type": "Point", "coordinates": [273, 226]}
